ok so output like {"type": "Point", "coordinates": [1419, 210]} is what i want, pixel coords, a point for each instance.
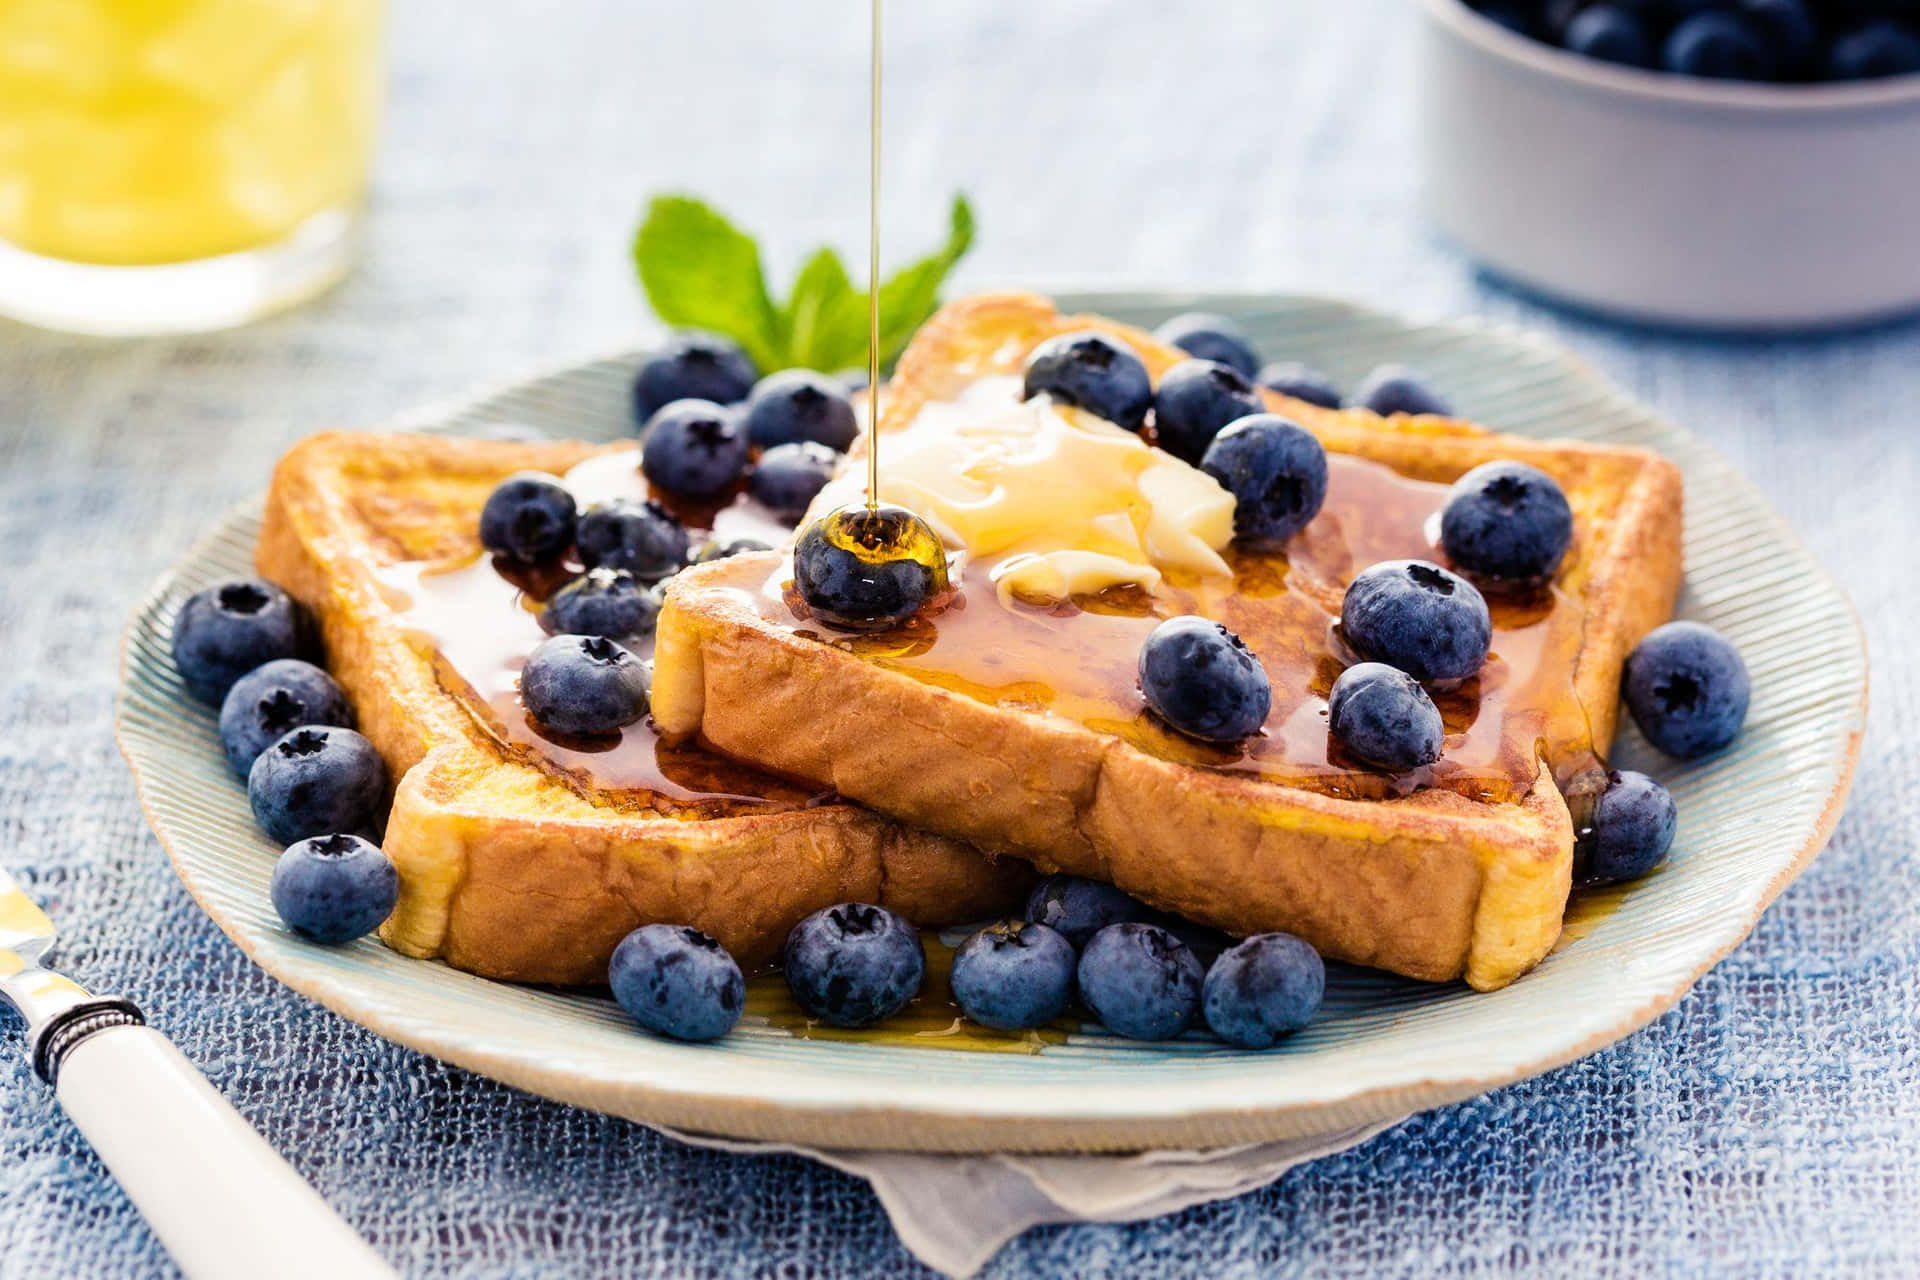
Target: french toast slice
{"type": "Point", "coordinates": [513, 868]}
{"type": "Point", "coordinates": [1012, 728]}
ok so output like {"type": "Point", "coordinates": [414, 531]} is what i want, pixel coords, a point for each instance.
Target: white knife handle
{"type": "Point", "coordinates": [224, 1204]}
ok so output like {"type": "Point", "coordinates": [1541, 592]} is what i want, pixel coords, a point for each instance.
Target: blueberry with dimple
{"type": "Point", "coordinates": [694, 448]}
{"type": "Point", "coordinates": [1263, 990]}
{"type": "Point", "coordinates": [1301, 382]}
{"type": "Point", "coordinates": [1140, 981]}
{"type": "Point", "coordinates": [854, 964]}
{"type": "Point", "coordinates": [677, 982]}
{"type": "Point", "coordinates": [228, 629]}
{"type": "Point", "coordinates": [271, 701]}
{"type": "Point", "coordinates": [1610, 33]}
{"type": "Point", "coordinates": [1210, 337]}
{"type": "Point", "coordinates": [1416, 616]}
{"type": "Point", "coordinates": [1394, 388]}
{"type": "Point", "coordinates": [334, 888]}
{"type": "Point", "coordinates": [1093, 372]}
{"type": "Point", "coordinates": [787, 477]}
{"type": "Point", "coordinates": [1202, 680]}
{"type": "Point", "coordinates": [1718, 45]}
{"type": "Point", "coordinates": [1687, 688]}
{"type": "Point", "coordinates": [1879, 48]}
{"type": "Point", "coordinates": [584, 685]}
{"type": "Point", "coordinates": [528, 517]}
{"type": "Point", "coordinates": [797, 406]}
{"type": "Point", "coordinates": [318, 780]}
{"type": "Point", "coordinates": [1277, 473]}
{"type": "Point", "coordinates": [1507, 521]}
{"type": "Point", "coordinates": [1078, 908]}
{"type": "Point", "coordinates": [602, 602]}
{"type": "Point", "coordinates": [1196, 399]}
{"type": "Point", "coordinates": [1383, 717]}
{"type": "Point", "coordinates": [692, 366]}
{"type": "Point", "coordinates": [1632, 829]}
{"type": "Point", "coordinates": [1013, 976]}
{"type": "Point", "coordinates": [643, 538]}
{"type": "Point", "coordinates": [714, 549]}
{"type": "Point", "coordinates": [868, 570]}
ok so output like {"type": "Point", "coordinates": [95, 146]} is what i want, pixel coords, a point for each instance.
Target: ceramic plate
{"type": "Point", "coordinates": [1381, 1048]}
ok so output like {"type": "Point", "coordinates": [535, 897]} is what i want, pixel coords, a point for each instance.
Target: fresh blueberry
{"type": "Point", "coordinates": [529, 517]}
{"type": "Point", "coordinates": [230, 628]}
{"type": "Point", "coordinates": [1789, 28]}
{"type": "Point", "coordinates": [584, 685]}
{"type": "Point", "coordinates": [1014, 976]}
{"type": "Point", "coordinates": [1196, 399]}
{"type": "Point", "coordinates": [694, 449]}
{"type": "Point", "coordinates": [677, 982]}
{"type": "Point", "coordinates": [1687, 688]}
{"type": "Point", "coordinates": [1718, 45]}
{"type": "Point", "coordinates": [1394, 388]}
{"type": "Point", "coordinates": [316, 781]}
{"type": "Point", "coordinates": [1202, 680]}
{"type": "Point", "coordinates": [788, 476]}
{"type": "Point", "coordinates": [1418, 617]}
{"type": "Point", "coordinates": [1277, 473]}
{"type": "Point", "coordinates": [1507, 521]}
{"type": "Point", "coordinates": [854, 964]}
{"type": "Point", "coordinates": [1302, 382]}
{"type": "Point", "coordinates": [602, 602]}
{"type": "Point", "coordinates": [1077, 909]}
{"type": "Point", "coordinates": [642, 538]}
{"type": "Point", "coordinates": [1093, 372]}
{"type": "Point", "coordinates": [799, 406]}
{"type": "Point", "coordinates": [1209, 337]}
{"type": "Point", "coordinates": [1610, 33]}
{"type": "Point", "coordinates": [863, 570]}
{"type": "Point", "coordinates": [1632, 829]}
{"type": "Point", "coordinates": [1383, 716]}
{"type": "Point", "coordinates": [334, 888]}
{"type": "Point", "coordinates": [714, 549]}
{"type": "Point", "coordinates": [1879, 48]}
{"type": "Point", "coordinates": [1140, 981]}
{"type": "Point", "coordinates": [692, 366]}
{"type": "Point", "coordinates": [1263, 990]}
{"type": "Point", "coordinates": [271, 701]}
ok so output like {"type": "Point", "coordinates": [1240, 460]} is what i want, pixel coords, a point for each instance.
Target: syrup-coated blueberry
{"type": "Point", "coordinates": [1612, 34]}
{"type": "Point", "coordinates": [692, 366]}
{"type": "Point", "coordinates": [677, 982]}
{"type": "Point", "coordinates": [1277, 473]}
{"type": "Point", "coordinates": [1093, 372]}
{"type": "Point", "coordinates": [1014, 976]}
{"type": "Point", "coordinates": [642, 538]}
{"type": "Point", "coordinates": [1632, 829]}
{"type": "Point", "coordinates": [271, 701]}
{"type": "Point", "coordinates": [316, 781]}
{"type": "Point", "coordinates": [1416, 616]}
{"type": "Point", "coordinates": [1507, 521]}
{"type": "Point", "coordinates": [1209, 337]}
{"type": "Point", "coordinates": [584, 685]}
{"type": "Point", "coordinates": [1719, 45]}
{"type": "Point", "coordinates": [1263, 990]}
{"type": "Point", "coordinates": [1383, 717]}
{"type": "Point", "coordinates": [1077, 908]}
{"type": "Point", "coordinates": [528, 517]}
{"type": "Point", "coordinates": [334, 888]}
{"type": "Point", "coordinates": [1197, 398]}
{"type": "Point", "coordinates": [694, 449]}
{"type": "Point", "coordinates": [854, 964]}
{"type": "Point", "coordinates": [1394, 388]}
{"type": "Point", "coordinates": [799, 406]}
{"type": "Point", "coordinates": [1202, 680]}
{"type": "Point", "coordinates": [1687, 688]}
{"type": "Point", "coordinates": [602, 602]}
{"type": "Point", "coordinates": [1302, 382]}
{"type": "Point", "coordinates": [1879, 48]}
{"type": "Point", "coordinates": [228, 629]}
{"type": "Point", "coordinates": [862, 571]}
{"type": "Point", "coordinates": [1140, 981]}
{"type": "Point", "coordinates": [787, 477]}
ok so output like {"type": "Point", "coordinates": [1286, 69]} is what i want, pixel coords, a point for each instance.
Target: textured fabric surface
{"type": "Point", "coordinates": [1767, 1126]}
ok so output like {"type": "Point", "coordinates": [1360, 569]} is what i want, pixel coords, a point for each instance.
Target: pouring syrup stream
{"type": "Point", "coordinates": [873, 266]}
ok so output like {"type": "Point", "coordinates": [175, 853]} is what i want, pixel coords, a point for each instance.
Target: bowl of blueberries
{"type": "Point", "coordinates": [1730, 164]}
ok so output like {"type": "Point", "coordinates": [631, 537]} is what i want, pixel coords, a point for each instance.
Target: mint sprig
{"type": "Point", "coordinates": [702, 272]}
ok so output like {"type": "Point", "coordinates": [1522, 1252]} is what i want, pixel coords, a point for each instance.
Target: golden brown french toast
{"type": "Point", "coordinates": [1020, 727]}
{"type": "Point", "coordinates": [528, 864]}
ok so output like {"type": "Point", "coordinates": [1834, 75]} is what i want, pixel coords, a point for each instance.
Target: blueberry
{"type": "Point", "coordinates": [1790, 30]}
{"type": "Point", "coordinates": [1302, 382]}
{"type": "Point", "coordinates": [1093, 372]}
{"type": "Point", "coordinates": [863, 570]}
{"type": "Point", "coordinates": [1196, 399]}
{"type": "Point", "coordinates": [1263, 990]}
{"type": "Point", "coordinates": [1077, 909]}
{"type": "Point", "coordinates": [602, 602]}
{"type": "Point", "coordinates": [1719, 45]}
{"type": "Point", "coordinates": [1880, 48]}
{"type": "Point", "coordinates": [1383, 717]}
{"type": "Point", "coordinates": [529, 517]}
{"type": "Point", "coordinates": [677, 982]}
{"type": "Point", "coordinates": [1687, 688]}
{"type": "Point", "coordinates": [271, 701]}
{"type": "Point", "coordinates": [1611, 34]}
{"type": "Point", "coordinates": [1277, 473]}
{"type": "Point", "coordinates": [1507, 521]}
{"type": "Point", "coordinates": [334, 889]}
{"type": "Point", "coordinates": [1014, 976]}
{"type": "Point", "coordinates": [1418, 617]}
{"type": "Point", "coordinates": [694, 449]}
{"type": "Point", "coordinates": [642, 538]}
{"type": "Point", "coordinates": [317, 781]}
{"type": "Point", "coordinates": [230, 628]}
{"type": "Point", "coordinates": [1140, 981]}
{"type": "Point", "coordinates": [692, 366]}
{"type": "Point", "coordinates": [584, 685]}
{"type": "Point", "coordinates": [799, 406]}
{"type": "Point", "coordinates": [1632, 829]}
{"type": "Point", "coordinates": [714, 549]}
{"type": "Point", "coordinates": [1202, 680]}
{"type": "Point", "coordinates": [854, 964]}
{"type": "Point", "coordinates": [1394, 388]}
{"type": "Point", "coordinates": [1210, 337]}
{"type": "Point", "coordinates": [788, 476]}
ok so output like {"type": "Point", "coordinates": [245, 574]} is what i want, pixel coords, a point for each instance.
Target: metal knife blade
{"type": "Point", "coordinates": [25, 936]}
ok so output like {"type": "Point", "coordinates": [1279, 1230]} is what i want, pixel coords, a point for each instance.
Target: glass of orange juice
{"type": "Point", "coordinates": [172, 165]}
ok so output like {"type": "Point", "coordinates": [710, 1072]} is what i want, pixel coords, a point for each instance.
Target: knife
{"type": "Point", "coordinates": [222, 1202]}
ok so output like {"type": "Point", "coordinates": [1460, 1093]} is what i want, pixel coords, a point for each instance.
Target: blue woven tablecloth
{"type": "Point", "coordinates": [1769, 1125]}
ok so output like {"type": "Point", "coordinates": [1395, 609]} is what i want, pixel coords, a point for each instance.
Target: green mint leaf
{"type": "Point", "coordinates": [702, 272]}
{"type": "Point", "coordinates": [825, 321]}
{"type": "Point", "coordinates": [913, 293]}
